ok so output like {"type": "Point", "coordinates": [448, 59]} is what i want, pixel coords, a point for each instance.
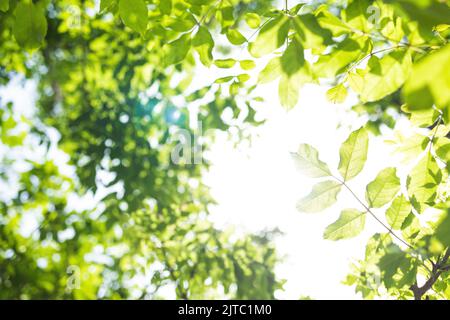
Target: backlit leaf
{"type": "Point", "coordinates": [323, 195]}
{"type": "Point", "coordinates": [134, 14]}
{"type": "Point", "coordinates": [353, 154]}
{"type": "Point", "coordinates": [308, 162]}
{"type": "Point", "coordinates": [349, 224]}
{"type": "Point", "coordinates": [383, 189]}
{"type": "Point", "coordinates": [398, 211]}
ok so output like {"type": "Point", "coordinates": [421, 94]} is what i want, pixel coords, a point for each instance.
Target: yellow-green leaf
{"type": "Point", "coordinates": [423, 180]}
{"type": "Point", "coordinates": [134, 14]}
{"type": "Point", "coordinates": [307, 160]}
{"type": "Point", "coordinates": [253, 20]}
{"type": "Point", "coordinates": [353, 154]}
{"type": "Point", "coordinates": [337, 94]}
{"type": "Point", "coordinates": [429, 82]}
{"type": "Point", "coordinates": [270, 37]}
{"type": "Point", "coordinates": [204, 44]}
{"type": "Point", "coordinates": [386, 75]}
{"type": "Point", "coordinates": [323, 195]}
{"type": "Point", "coordinates": [350, 224]}
{"type": "Point", "coordinates": [383, 189]}
{"type": "Point", "coordinates": [397, 212]}
{"type": "Point", "coordinates": [30, 25]}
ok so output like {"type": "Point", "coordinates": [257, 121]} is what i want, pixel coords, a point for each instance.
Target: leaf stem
{"type": "Point", "coordinates": [373, 214]}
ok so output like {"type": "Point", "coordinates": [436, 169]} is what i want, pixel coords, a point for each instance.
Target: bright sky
{"type": "Point", "coordinates": [258, 187]}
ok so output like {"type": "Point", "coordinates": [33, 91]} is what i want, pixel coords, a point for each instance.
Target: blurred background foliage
{"type": "Point", "coordinates": [117, 80]}
{"type": "Point", "coordinates": [107, 100]}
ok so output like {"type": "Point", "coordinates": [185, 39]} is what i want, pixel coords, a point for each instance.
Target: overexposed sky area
{"type": "Point", "coordinates": [258, 187]}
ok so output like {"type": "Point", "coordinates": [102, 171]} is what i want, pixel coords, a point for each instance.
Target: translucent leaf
{"type": "Point", "coordinates": [334, 24]}
{"type": "Point", "coordinates": [247, 64]}
{"type": "Point", "coordinates": [323, 195]}
{"type": "Point", "coordinates": [429, 82]}
{"type": "Point", "coordinates": [345, 53]}
{"type": "Point", "coordinates": [292, 59]}
{"type": "Point", "coordinates": [225, 63]}
{"type": "Point", "coordinates": [176, 51]}
{"type": "Point", "coordinates": [271, 71]}
{"type": "Point", "coordinates": [423, 180]}
{"type": "Point", "coordinates": [391, 262]}
{"type": "Point", "coordinates": [353, 154]}
{"type": "Point", "coordinates": [349, 224]}
{"type": "Point", "coordinates": [398, 211]}
{"type": "Point", "coordinates": [383, 189]}
{"type": "Point", "coordinates": [443, 230]}
{"type": "Point", "coordinates": [356, 13]}
{"type": "Point", "coordinates": [422, 117]}
{"type": "Point", "coordinates": [308, 162]}
{"type": "Point", "coordinates": [270, 37]}
{"type": "Point", "coordinates": [288, 89]}
{"type": "Point", "coordinates": [309, 32]}
{"type": "Point", "coordinates": [253, 20]}
{"type": "Point", "coordinates": [337, 94]}
{"type": "Point", "coordinates": [134, 14]}
{"type": "Point", "coordinates": [30, 25]}
{"type": "Point", "coordinates": [224, 79]}
{"type": "Point", "coordinates": [235, 37]}
{"type": "Point", "coordinates": [204, 44]}
{"type": "Point", "coordinates": [442, 146]}
{"type": "Point", "coordinates": [386, 75]}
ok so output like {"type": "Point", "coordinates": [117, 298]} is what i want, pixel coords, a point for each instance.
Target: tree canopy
{"type": "Point", "coordinates": [117, 79]}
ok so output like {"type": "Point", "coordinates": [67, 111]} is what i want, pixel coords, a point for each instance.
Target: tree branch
{"type": "Point", "coordinates": [438, 269]}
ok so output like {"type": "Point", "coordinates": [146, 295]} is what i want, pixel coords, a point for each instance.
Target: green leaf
{"type": "Point", "coordinates": [386, 75]}
{"type": "Point", "coordinates": [176, 51]}
{"type": "Point", "coordinates": [443, 230]}
{"type": "Point", "coordinates": [243, 77]}
{"type": "Point", "coordinates": [247, 64]}
{"type": "Point", "coordinates": [391, 262]}
{"type": "Point", "coordinates": [134, 14]}
{"type": "Point", "coordinates": [270, 37]}
{"type": "Point", "coordinates": [292, 59]}
{"type": "Point", "coordinates": [30, 25]}
{"type": "Point", "coordinates": [429, 82]}
{"type": "Point", "coordinates": [323, 195]}
{"type": "Point", "coordinates": [353, 154]}
{"type": "Point", "coordinates": [308, 162]}
{"type": "Point", "coordinates": [423, 181]}
{"type": "Point", "coordinates": [442, 27]}
{"type": "Point", "coordinates": [224, 79]}
{"type": "Point", "coordinates": [356, 80]}
{"type": "Point", "coordinates": [422, 117]}
{"type": "Point", "coordinates": [288, 90]}
{"type": "Point", "coordinates": [345, 53]}
{"type": "Point", "coordinates": [309, 32]}
{"type": "Point", "coordinates": [383, 189]}
{"type": "Point", "coordinates": [356, 13]}
{"type": "Point", "coordinates": [331, 22]}
{"type": "Point", "coordinates": [398, 211]}
{"type": "Point", "coordinates": [350, 224]}
{"type": "Point", "coordinates": [106, 5]}
{"type": "Point", "coordinates": [235, 37]}
{"type": "Point", "coordinates": [253, 20]}
{"type": "Point", "coordinates": [165, 6]}
{"type": "Point", "coordinates": [271, 71]}
{"type": "Point", "coordinates": [225, 63]}
{"type": "Point", "coordinates": [337, 94]}
{"type": "Point", "coordinates": [442, 146]}
{"type": "Point", "coordinates": [204, 44]}
{"type": "Point", "coordinates": [4, 5]}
